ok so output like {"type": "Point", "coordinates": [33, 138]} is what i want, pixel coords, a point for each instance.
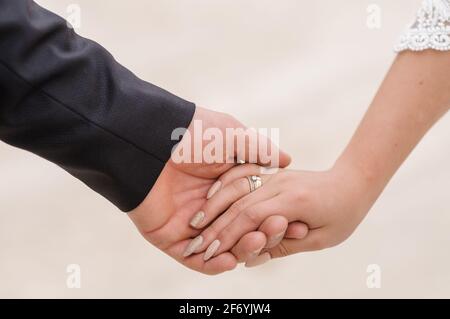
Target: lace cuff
{"type": "Point", "coordinates": [431, 30]}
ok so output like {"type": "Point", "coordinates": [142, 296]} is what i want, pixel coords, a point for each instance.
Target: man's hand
{"type": "Point", "coordinates": [181, 190]}
{"type": "Point", "coordinates": [332, 203]}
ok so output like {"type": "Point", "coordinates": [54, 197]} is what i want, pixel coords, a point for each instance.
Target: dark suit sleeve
{"type": "Point", "coordinates": [66, 99]}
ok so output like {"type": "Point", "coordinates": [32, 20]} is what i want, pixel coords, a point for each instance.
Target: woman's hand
{"type": "Point", "coordinates": [413, 96]}
{"type": "Point", "coordinates": [332, 203]}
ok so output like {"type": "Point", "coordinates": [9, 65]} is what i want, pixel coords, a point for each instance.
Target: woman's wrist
{"type": "Point", "coordinates": [364, 180]}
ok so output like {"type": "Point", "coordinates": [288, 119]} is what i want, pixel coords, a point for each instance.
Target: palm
{"type": "Point", "coordinates": [163, 218]}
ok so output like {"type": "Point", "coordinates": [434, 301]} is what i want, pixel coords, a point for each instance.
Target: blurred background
{"type": "Point", "coordinates": [309, 68]}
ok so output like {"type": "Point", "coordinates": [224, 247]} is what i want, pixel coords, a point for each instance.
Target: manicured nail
{"type": "Point", "coordinates": [211, 250]}
{"type": "Point", "coordinates": [214, 189]}
{"type": "Point", "coordinates": [193, 245]}
{"type": "Point", "coordinates": [261, 259]}
{"type": "Point", "coordinates": [197, 219]}
{"type": "Point", "coordinates": [273, 241]}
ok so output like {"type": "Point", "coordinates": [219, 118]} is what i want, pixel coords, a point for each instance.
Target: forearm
{"type": "Point", "coordinates": [66, 99]}
{"type": "Point", "coordinates": [413, 96]}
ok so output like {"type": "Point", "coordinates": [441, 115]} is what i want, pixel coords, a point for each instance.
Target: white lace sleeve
{"type": "Point", "coordinates": [431, 30]}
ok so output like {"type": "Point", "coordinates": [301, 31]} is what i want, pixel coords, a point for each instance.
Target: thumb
{"type": "Point", "coordinates": [315, 240]}
{"type": "Point", "coordinates": [256, 148]}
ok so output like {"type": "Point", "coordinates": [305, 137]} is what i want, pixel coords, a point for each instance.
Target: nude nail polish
{"type": "Point", "coordinates": [193, 246]}
{"type": "Point", "coordinates": [211, 250]}
{"type": "Point", "coordinates": [197, 219]}
{"type": "Point", "coordinates": [214, 189]}
{"type": "Point", "coordinates": [261, 259]}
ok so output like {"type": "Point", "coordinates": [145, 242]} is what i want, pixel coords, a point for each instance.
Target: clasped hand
{"type": "Point", "coordinates": [205, 217]}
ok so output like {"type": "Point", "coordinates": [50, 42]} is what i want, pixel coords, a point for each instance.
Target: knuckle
{"type": "Point", "coordinates": [211, 208]}
{"type": "Point", "coordinates": [229, 117]}
{"type": "Point", "coordinates": [225, 234]}
{"type": "Point", "coordinates": [211, 232]}
{"type": "Point", "coordinates": [230, 121]}
{"type": "Point", "coordinates": [302, 195]}
{"type": "Point", "coordinates": [237, 207]}
{"type": "Point", "coordinates": [252, 216]}
{"type": "Point", "coordinates": [229, 176]}
{"type": "Point", "coordinates": [283, 176]}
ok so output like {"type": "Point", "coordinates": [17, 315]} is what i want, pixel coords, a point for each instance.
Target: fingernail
{"type": "Point", "coordinates": [214, 189]}
{"type": "Point", "coordinates": [261, 259]}
{"type": "Point", "coordinates": [274, 240]}
{"type": "Point", "coordinates": [211, 250]}
{"type": "Point", "coordinates": [197, 219]}
{"type": "Point", "coordinates": [193, 245]}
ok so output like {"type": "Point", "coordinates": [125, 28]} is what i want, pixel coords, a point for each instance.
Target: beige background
{"type": "Point", "coordinates": [308, 67]}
